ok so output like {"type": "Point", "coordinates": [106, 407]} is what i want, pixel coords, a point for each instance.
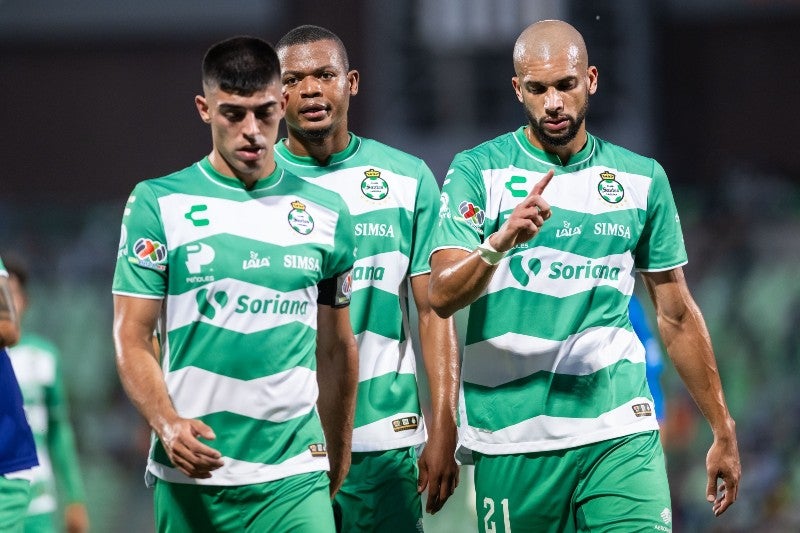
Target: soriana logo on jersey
{"type": "Point", "coordinates": [299, 219]}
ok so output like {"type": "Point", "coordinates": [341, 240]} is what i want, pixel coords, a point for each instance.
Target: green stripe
{"type": "Point", "coordinates": [401, 222]}
{"type": "Point", "coordinates": [257, 441]}
{"type": "Point", "coordinates": [385, 396]}
{"type": "Point", "coordinates": [558, 395]}
{"type": "Point", "coordinates": [518, 311]}
{"type": "Point", "coordinates": [372, 309]}
{"type": "Point", "coordinates": [242, 355]}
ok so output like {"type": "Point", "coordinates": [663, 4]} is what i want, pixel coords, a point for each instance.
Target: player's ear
{"type": "Point", "coordinates": [517, 88]}
{"type": "Point", "coordinates": [202, 107]}
{"type": "Point", "coordinates": [591, 78]}
{"type": "Point", "coordinates": [352, 79]}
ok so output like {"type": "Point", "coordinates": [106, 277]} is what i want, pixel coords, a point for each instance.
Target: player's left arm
{"type": "Point", "coordinates": [688, 345]}
{"type": "Point", "coordinates": [438, 471]}
{"type": "Point", "coordinates": [337, 376]}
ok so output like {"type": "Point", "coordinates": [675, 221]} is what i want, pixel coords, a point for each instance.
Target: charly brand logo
{"type": "Point", "coordinates": [609, 188]}
{"type": "Point", "coordinates": [512, 186]}
{"type": "Point", "coordinates": [254, 261]}
{"type": "Point", "coordinates": [523, 270]}
{"type": "Point", "coordinates": [209, 304]}
{"type": "Point", "coordinates": [374, 186]}
{"type": "Point", "coordinates": [149, 254]}
{"type": "Point", "coordinates": [197, 220]}
{"type": "Point", "coordinates": [299, 219]}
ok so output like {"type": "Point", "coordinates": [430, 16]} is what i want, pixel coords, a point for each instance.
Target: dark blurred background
{"type": "Point", "coordinates": [98, 95]}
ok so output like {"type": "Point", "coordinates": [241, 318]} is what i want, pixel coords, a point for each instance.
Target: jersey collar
{"type": "Point", "coordinates": [546, 157]}
{"type": "Point", "coordinates": [234, 183]}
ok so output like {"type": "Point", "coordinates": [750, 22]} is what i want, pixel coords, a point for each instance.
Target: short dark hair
{"type": "Point", "coordinates": [241, 65]}
{"type": "Point", "coordinates": [308, 33]}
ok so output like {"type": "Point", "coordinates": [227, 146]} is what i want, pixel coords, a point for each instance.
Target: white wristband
{"type": "Point", "coordinates": [488, 253]}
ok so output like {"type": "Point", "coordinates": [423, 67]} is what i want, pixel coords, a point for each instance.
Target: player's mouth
{"type": "Point", "coordinates": [556, 124]}
{"type": "Point", "coordinates": [250, 152]}
{"type": "Point", "coordinates": [314, 111]}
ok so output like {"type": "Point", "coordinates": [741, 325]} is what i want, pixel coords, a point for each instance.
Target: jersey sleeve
{"type": "Point", "coordinates": [425, 212]}
{"type": "Point", "coordinates": [141, 267]}
{"type": "Point", "coordinates": [462, 207]}
{"type": "Point", "coordinates": [661, 245]}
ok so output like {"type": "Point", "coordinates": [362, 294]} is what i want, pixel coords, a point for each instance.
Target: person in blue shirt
{"type": "Point", "coordinates": [17, 449]}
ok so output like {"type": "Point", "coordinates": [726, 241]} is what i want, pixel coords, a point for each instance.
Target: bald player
{"type": "Point", "coordinates": [541, 232]}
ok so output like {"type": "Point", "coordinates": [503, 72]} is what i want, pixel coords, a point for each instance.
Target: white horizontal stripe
{"type": "Point", "coordinates": [575, 191]}
{"type": "Point", "coordinates": [347, 183]}
{"type": "Point", "coordinates": [513, 356]}
{"type": "Point", "coordinates": [394, 267]}
{"type": "Point", "coordinates": [261, 219]}
{"type": "Point", "coordinates": [236, 312]}
{"type": "Point", "coordinates": [379, 355]}
{"type": "Point", "coordinates": [277, 398]}
{"type": "Point", "coordinates": [237, 472]}
{"type": "Point", "coordinates": [551, 280]}
{"type": "Point", "coordinates": [380, 435]}
{"type": "Point", "coordinates": [555, 433]}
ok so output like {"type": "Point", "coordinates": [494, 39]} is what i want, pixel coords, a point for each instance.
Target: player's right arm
{"type": "Point", "coordinates": [458, 277]}
{"type": "Point", "coordinates": [141, 376]}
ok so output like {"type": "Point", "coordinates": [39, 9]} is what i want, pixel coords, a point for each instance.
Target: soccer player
{"type": "Point", "coordinates": [37, 365]}
{"type": "Point", "coordinates": [394, 200]}
{"type": "Point", "coordinates": [540, 234]}
{"type": "Point", "coordinates": [245, 269]}
{"type": "Point", "coordinates": [17, 448]}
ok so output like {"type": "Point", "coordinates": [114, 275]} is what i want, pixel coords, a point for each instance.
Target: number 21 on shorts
{"type": "Point", "coordinates": [489, 525]}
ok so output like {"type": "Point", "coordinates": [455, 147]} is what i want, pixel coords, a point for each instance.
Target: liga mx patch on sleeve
{"type": "Point", "coordinates": [149, 253]}
{"type": "Point", "coordinates": [344, 284]}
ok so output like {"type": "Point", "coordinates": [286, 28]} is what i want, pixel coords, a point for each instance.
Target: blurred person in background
{"type": "Point", "coordinates": [654, 362]}
{"type": "Point", "coordinates": [17, 448]}
{"type": "Point", "coordinates": [540, 233]}
{"type": "Point", "coordinates": [394, 199]}
{"type": "Point", "coordinates": [57, 480]}
{"type": "Point", "coordinates": [244, 270]}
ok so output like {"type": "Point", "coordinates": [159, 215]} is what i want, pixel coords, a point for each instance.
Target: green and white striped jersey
{"type": "Point", "coordinates": [551, 360]}
{"type": "Point", "coordinates": [393, 198]}
{"type": "Point", "coordinates": [238, 271]}
{"type": "Point", "coordinates": [37, 364]}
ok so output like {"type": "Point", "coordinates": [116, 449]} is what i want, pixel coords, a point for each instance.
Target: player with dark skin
{"type": "Point", "coordinates": [319, 84]}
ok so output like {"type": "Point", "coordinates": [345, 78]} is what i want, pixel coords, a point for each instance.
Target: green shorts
{"type": "Point", "coordinates": [15, 495]}
{"type": "Point", "coordinates": [614, 485]}
{"type": "Point", "coordinates": [41, 523]}
{"type": "Point", "coordinates": [380, 493]}
{"type": "Point", "coordinates": [296, 504]}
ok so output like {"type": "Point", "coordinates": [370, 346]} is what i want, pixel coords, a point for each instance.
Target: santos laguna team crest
{"type": "Point", "coordinates": [374, 186]}
{"type": "Point", "coordinates": [609, 188]}
{"type": "Point", "coordinates": [299, 219]}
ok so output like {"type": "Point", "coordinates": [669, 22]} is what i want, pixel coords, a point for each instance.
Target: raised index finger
{"type": "Point", "coordinates": [539, 187]}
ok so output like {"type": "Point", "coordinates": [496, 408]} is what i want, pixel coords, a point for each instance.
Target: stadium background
{"type": "Point", "coordinates": [98, 95]}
